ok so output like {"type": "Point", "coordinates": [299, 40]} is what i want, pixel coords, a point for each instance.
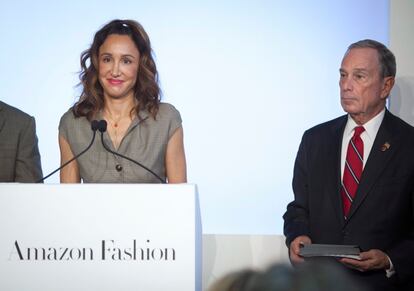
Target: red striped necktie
{"type": "Point", "coordinates": [353, 169]}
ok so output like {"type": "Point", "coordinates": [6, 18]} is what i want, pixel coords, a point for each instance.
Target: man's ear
{"type": "Point", "coordinates": [387, 85]}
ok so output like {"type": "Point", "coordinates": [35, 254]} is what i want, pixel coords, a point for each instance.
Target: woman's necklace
{"type": "Point", "coordinates": [114, 121]}
{"type": "Point", "coordinates": [116, 127]}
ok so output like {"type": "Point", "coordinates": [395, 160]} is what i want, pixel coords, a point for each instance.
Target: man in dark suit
{"type": "Point", "coordinates": [354, 177]}
{"type": "Point", "coordinates": [19, 153]}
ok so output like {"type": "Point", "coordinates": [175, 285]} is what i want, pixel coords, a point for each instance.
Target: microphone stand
{"type": "Point", "coordinates": [102, 125]}
{"type": "Point", "coordinates": [94, 127]}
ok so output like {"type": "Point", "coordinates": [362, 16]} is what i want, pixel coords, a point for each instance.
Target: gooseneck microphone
{"type": "Point", "coordinates": [102, 126]}
{"type": "Point", "coordinates": [94, 127]}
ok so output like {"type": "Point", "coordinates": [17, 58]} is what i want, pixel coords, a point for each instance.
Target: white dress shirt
{"type": "Point", "coordinates": [368, 136]}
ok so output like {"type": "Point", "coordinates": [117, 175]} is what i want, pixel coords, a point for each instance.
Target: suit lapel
{"type": "Point", "coordinates": [334, 162]}
{"type": "Point", "coordinates": [377, 161]}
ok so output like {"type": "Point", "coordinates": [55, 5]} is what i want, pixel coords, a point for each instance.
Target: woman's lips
{"type": "Point", "coordinates": [115, 81]}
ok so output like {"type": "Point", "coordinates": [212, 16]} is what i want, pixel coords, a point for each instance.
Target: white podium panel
{"type": "Point", "coordinates": [99, 237]}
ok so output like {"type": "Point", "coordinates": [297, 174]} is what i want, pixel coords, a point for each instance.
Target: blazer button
{"type": "Point", "coordinates": [118, 168]}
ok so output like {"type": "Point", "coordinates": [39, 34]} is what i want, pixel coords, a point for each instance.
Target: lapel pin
{"type": "Point", "coordinates": [385, 147]}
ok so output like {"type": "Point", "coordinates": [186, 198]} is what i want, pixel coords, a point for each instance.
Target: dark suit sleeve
{"type": "Point", "coordinates": [28, 165]}
{"type": "Point", "coordinates": [399, 184]}
{"type": "Point", "coordinates": [296, 216]}
{"type": "Point", "coordinates": [402, 253]}
{"type": "Point", "coordinates": [402, 257]}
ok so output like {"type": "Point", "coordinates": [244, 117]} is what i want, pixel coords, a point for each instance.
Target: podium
{"type": "Point", "coordinates": [99, 237]}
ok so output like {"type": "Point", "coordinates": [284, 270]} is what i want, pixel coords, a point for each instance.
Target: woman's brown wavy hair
{"type": "Point", "coordinates": [147, 90]}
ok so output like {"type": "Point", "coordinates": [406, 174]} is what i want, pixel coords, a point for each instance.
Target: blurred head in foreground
{"type": "Point", "coordinates": [307, 277]}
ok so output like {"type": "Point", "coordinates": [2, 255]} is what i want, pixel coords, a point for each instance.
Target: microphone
{"type": "Point", "coordinates": [94, 127]}
{"type": "Point", "coordinates": [102, 126]}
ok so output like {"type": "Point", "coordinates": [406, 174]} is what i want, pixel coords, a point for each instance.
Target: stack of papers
{"type": "Point", "coordinates": [323, 250]}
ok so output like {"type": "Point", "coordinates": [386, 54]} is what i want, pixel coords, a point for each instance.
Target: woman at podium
{"type": "Point", "coordinates": [142, 138]}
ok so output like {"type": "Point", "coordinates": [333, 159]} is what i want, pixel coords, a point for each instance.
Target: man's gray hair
{"type": "Point", "coordinates": [385, 56]}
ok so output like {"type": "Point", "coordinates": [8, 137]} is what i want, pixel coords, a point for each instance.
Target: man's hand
{"type": "Point", "coordinates": [370, 260]}
{"type": "Point", "coordinates": [295, 247]}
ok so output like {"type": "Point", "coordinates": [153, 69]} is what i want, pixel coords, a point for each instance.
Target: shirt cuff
{"type": "Point", "coordinates": [390, 271]}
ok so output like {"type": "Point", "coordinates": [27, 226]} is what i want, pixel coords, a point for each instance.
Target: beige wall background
{"type": "Point", "coordinates": [401, 100]}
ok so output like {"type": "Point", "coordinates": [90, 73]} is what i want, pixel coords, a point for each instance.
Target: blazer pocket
{"type": "Point", "coordinates": [396, 180]}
